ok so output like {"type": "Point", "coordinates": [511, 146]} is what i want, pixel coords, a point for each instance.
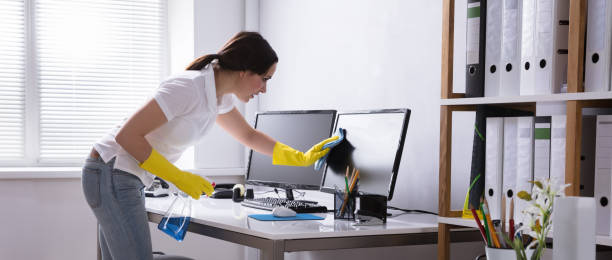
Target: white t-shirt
{"type": "Point", "coordinates": [189, 101]}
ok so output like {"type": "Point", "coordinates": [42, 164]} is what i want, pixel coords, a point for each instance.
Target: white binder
{"type": "Point", "coordinates": [598, 46]}
{"type": "Point", "coordinates": [511, 48]}
{"type": "Point", "coordinates": [552, 29]}
{"type": "Point", "coordinates": [493, 48]}
{"type": "Point", "coordinates": [603, 174]}
{"type": "Point", "coordinates": [557, 148]}
{"type": "Point", "coordinates": [603, 186]}
{"type": "Point", "coordinates": [493, 164]}
{"type": "Point", "coordinates": [524, 172]}
{"type": "Point", "coordinates": [528, 54]}
{"type": "Point", "coordinates": [541, 151]}
{"type": "Point", "coordinates": [510, 160]}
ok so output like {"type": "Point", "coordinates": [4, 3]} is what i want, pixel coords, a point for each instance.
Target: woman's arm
{"type": "Point", "coordinates": [131, 137]}
{"type": "Point", "coordinates": [234, 123]}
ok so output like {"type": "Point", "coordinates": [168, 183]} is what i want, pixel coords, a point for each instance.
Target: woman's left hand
{"type": "Point", "coordinates": [285, 155]}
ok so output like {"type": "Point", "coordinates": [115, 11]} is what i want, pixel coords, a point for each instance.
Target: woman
{"type": "Point", "coordinates": [182, 110]}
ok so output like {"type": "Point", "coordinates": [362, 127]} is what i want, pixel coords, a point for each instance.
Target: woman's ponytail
{"type": "Point", "coordinates": [244, 51]}
{"type": "Point", "coordinates": [202, 61]}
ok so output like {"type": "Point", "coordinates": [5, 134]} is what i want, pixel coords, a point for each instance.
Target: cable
{"type": "Point", "coordinates": [412, 210]}
{"type": "Point", "coordinates": [397, 215]}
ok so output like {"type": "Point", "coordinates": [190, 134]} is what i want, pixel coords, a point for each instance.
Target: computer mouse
{"type": "Point", "coordinates": [283, 212]}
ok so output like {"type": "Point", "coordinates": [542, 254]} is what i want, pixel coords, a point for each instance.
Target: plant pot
{"type": "Point", "coordinates": [504, 253]}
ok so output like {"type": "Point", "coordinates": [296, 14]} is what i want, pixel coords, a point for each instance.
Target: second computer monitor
{"type": "Point", "coordinates": [298, 129]}
{"type": "Point", "coordinates": [374, 144]}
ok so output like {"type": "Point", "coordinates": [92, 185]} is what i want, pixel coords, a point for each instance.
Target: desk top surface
{"type": "Point", "coordinates": [225, 214]}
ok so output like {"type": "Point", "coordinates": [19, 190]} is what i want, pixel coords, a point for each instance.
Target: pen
{"type": "Point", "coordinates": [502, 228]}
{"type": "Point", "coordinates": [354, 177]}
{"type": "Point", "coordinates": [486, 226]}
{"type": "Point", "coordinates": [491, 227]}
{"type": "Point", "coordinates": [346, 178]}
{"type": "Point", "coordinates": [498, 233]}
{"type": "Point", "coordinates": [480, 227]}
{"type": "Point", "coordinates": [354, 181]}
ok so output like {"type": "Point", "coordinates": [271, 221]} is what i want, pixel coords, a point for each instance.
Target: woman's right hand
{"type": "Point", "coordinates": [192, 184]}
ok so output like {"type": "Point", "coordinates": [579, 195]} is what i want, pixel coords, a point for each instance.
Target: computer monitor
{"type": "Point", "coordinates": [374, 144]}
{"type": "Point", "coordinates": [298, 129]}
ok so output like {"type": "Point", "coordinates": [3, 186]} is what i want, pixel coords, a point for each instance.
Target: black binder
{"type": "Point", "coordinates": [475, 48]}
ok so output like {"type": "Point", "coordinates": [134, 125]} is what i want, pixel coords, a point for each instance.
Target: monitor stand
{"type": "Point", "coordinates": [289, 194]}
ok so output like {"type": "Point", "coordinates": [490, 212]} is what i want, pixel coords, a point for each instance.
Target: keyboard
{"type": "Point", "coordinates": [299, 206]}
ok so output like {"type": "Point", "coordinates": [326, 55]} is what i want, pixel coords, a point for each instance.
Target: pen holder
{"type": "Point", "coordinates": [504, 253]}
{"type": "Point", "coordinates": [344, 204]}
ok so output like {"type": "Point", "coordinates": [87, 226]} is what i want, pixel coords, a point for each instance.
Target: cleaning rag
{"type": "Point", "coordinates": [319, 163]}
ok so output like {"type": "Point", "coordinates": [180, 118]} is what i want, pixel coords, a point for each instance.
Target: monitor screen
{"type": "Point", "coordinates": [298, 129]}
{"type": "Point", "coordinates": [374, 144]}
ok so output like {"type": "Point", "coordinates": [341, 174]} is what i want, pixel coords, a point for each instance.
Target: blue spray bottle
{"type": "Point", "coordinates": [176, 220]}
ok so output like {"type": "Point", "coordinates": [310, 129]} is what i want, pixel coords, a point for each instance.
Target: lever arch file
{"type": "Point", "coordinates": [493, 164]}
{"type": "Point", "coordinates": [598, 46]}
{"type": "Point", "coordinates": [541, 150]}
{"type": "Point", "coordinates": [493, 48]}
{"type": "Point", "coordinates": [475, 48]}
{"type": "Point", "coordinates": [511, 48]}
{"type": "Point", "coordinates": [552, 29]}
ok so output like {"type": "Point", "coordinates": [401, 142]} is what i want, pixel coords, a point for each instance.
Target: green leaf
{"type": "Point", "coordinates": [524, 195]}
{"type": "Point", "coordinates": [538, 183]}
{"type": "Point", "coordinates": [537, 227]}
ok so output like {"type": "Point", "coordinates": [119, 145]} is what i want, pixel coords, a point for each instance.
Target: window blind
{"type": "Point", "coordinates": [12, 80]}
{"type": "Point", "coordinates": [97, 62]}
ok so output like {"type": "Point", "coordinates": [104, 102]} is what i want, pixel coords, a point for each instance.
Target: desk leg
{"type": "Point", "coordinates": [274, 251]}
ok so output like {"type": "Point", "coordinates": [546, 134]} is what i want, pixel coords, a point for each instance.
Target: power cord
{"type": "Point", "coordinates": [406, 211]}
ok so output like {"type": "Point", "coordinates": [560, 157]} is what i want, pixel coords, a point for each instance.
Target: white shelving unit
{"type": "Point", "coordinates": [528, 99]}
{"type": "Point", "coordinates": [575, 101]}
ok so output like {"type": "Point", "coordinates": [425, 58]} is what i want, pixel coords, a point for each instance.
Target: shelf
{"type": "Point", "coordinates": [599, 240]}
{"type": "Point", "coordinates": [603, 240]}
{"type": "Point", "coordinates": [458, 222]}
{"type": "Point", "coordinates": [528, 99]}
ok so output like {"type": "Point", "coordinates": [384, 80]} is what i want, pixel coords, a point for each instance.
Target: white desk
{"type": "Point", "coordinates": [226, 220]}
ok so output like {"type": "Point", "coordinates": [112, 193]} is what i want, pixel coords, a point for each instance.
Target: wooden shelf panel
{"type": "Point", "coordinates": [529, 99]}
{"type": "Point", "coordinates": [600, 240]}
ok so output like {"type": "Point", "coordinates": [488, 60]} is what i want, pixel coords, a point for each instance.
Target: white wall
{"type": "Point", "coordinates": [349, 55]}
{"type": "Point", "coordinates": [215, 23]}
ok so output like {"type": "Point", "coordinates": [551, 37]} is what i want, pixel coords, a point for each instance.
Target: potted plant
{"type": "Point", "coordinates": [538, 218]}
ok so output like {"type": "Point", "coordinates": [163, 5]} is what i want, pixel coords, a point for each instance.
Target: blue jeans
{"type": "Point", "coordinates": [118, 202]}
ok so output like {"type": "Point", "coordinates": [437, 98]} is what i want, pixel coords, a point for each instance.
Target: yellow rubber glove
{"type": "Point", "coordinates": [285, 155]}
{"type": "Point", "coordinates": [189, 183]}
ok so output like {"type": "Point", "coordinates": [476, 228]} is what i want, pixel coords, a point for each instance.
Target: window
{"type": "Point", "coordinates": [12, 80]}
{"type": "Point", "coordinates": [71, 70]}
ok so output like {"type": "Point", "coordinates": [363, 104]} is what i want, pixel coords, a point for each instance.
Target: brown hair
{"type": "Point", "coordinates": [245, 51]}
